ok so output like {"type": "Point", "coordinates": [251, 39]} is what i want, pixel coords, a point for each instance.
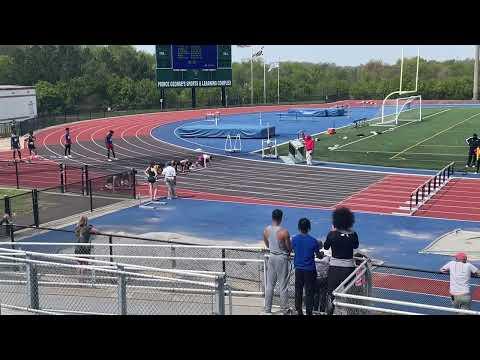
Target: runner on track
{"type": "Point", "coordinates": [15, 146]}
{"type": "Point", "coordinates": [31, 145]}
{"type": "Point", "coordinates": [68, 144]}
{"type": "Point", "coordinates": [109, 145]}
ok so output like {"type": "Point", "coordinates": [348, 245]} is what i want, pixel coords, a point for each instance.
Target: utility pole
{"type": "Point", "coordinates": [475, 73]}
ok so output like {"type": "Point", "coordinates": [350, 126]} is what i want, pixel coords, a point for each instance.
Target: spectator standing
{"type": "Point", "coordinates": [83, 233]}
{"type": "Point", "coordinates": [305, 247]}
{"type": "Point", "coordinates": [460, 273]}
{"type": "Point", "coordinates": [321, 283]}
{"type": "Point", "coordinates": [343, 241]}
{"type": "Point", "coordinates": [473, 143]}
{"type": "Point", "coordinates": [309, 147]}
{"type": "Point", "coordinates": [277, 240]}
{"type": "Point", "coordinates": [477, 153]}
{"type": "Point", "coordinates": [170, 180]}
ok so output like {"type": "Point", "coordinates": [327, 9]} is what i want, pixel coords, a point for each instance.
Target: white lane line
{"type": "Point", "coordinates": [435, 135]}
{"type": "Point", "coordinates": [394, 128]}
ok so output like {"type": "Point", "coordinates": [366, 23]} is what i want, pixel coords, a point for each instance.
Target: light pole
{"type": "Point", "coordinates": [475, 73]}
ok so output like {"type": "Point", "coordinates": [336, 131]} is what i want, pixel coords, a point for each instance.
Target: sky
{"type": "Point", "coordinates": [347, 55]}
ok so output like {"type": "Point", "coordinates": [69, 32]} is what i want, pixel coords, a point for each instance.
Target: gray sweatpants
{"type": "Point", "coordinates": [463, 302]}
{"type": "Point", "coordinates": [277, 269]}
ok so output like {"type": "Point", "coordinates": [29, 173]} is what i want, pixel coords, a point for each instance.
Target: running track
{"type": "Point", "coordinates": [230, 178]}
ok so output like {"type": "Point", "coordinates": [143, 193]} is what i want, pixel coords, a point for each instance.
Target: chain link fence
{"type": "Point", "coordinates": [36, 282]}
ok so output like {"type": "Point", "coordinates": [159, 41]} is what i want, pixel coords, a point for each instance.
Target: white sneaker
{"type": "Point", "coordinates": [109, 160]}
{"type": "Point", "coordinates": [115, 159]}
{"type": "Point", "coordinates": [66, 157]}
{"type": "Point", "coordinates": [69, 156]}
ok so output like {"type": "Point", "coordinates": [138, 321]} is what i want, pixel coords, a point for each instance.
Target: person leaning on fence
{"type": "Point", "coordinates": [460, 272]}
{"type": "Point", "coordinates": [305, 248]}
{"type": "Point", "coordinates": [83, 233]}
{"type": "Point", "coordinates": [277, 241]}
{"type": "Point", "coordinates": [170, 180]}
{"type": "Point", "coordinates": [343, 241]}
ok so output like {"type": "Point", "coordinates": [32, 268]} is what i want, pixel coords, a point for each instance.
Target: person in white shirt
{"type": "Point", "coordinates": [170, 180]}
{"type": "Point", "coordinates": [460, 272]}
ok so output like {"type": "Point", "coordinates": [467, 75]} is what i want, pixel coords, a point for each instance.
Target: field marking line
{"type": "Point", "coordinates": [435, 135]}
{"type": "Point", "coordinates": [408, 123]}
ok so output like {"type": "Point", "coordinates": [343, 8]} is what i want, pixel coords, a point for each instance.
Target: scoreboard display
{"type": "Point", "coordinates": [181, 66]}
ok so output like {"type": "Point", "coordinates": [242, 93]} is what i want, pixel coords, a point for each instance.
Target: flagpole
{"type": "Point", "coordinates": [264, 83]}
{"type": "Point", "coordinates": [278, 82]}
{"type": "Point", "coordinates": [251, 76]}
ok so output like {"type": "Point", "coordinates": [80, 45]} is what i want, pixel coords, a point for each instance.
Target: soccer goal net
{"type": "Point", "coordinates": [400, 110]}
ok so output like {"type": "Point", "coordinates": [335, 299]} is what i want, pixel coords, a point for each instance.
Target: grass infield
{"type": "Point", "coordinates": [430, 144]}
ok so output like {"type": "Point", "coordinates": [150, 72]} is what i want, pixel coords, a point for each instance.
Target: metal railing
{"type": "Point", "coordinates": [427, 190]}
{"type": "Point", "coordinates": [399, 291]}
{"type": "Point", "coordinates": [67, 285]}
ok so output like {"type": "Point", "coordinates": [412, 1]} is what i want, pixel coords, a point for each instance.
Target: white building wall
{"type": "Point", "coordinates": [17, 103]}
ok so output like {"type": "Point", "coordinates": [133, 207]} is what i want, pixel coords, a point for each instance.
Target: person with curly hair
{"type": "Point", "coordinates": [343, 241]}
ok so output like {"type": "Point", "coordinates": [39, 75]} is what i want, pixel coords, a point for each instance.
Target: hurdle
{"type": "Point", "coordinates": [269, 146]}
{"type": "Point", "coordinates": [213, 116]}
{"type": "Point", "coordinates": [235, 146]}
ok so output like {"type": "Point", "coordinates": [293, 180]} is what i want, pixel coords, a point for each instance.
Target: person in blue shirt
{"type": "Point", "coordinates": [305, 248]}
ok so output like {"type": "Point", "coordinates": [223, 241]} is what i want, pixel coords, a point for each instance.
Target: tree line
{"type": "Point", "coordinates": [76, 78]}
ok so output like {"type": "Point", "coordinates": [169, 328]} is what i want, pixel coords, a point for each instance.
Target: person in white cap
{"type": "Point", "coordinates": [460, 272]}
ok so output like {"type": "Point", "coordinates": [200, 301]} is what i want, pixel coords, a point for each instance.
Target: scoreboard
{"type": "Point", "coordinates": [180, 66]}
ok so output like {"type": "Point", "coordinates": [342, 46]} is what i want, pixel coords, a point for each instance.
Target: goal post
{"type": "Point", "coordinates": [408, 109]}
{"type": "Point", "coordinates": [397, 106]}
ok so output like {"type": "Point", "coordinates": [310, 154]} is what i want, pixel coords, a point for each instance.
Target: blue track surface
{"type": "Point", "coordinates": [286, 128]}
{"type": "Point", "coordinates": [394, 239]}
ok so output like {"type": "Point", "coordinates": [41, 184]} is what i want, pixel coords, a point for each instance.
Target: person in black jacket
{"type": "Point", "coordinates": [472, 142]}
{"type": "Point", "coordinates": [343, 241]}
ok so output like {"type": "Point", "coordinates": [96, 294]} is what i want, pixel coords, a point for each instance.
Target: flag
{"type": "Point", "coordinates": [258, 53]}
{"type": "Point", "coordinates": [274, 65]}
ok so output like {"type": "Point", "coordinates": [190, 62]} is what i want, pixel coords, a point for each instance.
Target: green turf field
{"type": "Point", "coordinates": [430, 144]}
{"type": "Point", "coordinates": [20, 205]}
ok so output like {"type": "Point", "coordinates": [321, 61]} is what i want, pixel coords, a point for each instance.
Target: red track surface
{"type": "Point", "coordinates": [386, 195]}
{"type": "Point", "coordinates": [417, 285]}
{"type": "Point", "coordinates": [459, 200]}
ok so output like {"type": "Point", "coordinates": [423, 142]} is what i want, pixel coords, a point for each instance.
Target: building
{"type": "Point", "coordinates": [17, 103]}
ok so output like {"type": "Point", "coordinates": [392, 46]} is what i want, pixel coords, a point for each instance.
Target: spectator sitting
{"type": "Point", "coordinates": [321, 284]}
{"type": "Point", "coordinates": [460, 272]}
{"type": "Point", "coordinates": [342, 240]}
{"type": "Point", "coordinates": [305, 247]}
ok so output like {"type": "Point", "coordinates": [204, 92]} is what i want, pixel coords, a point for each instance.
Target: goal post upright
{"type": "Point", "coordinates": [400, 91]}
